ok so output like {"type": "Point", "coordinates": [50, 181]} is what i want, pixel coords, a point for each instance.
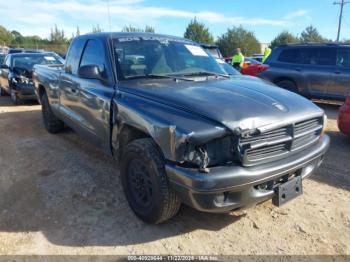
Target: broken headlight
{"type": "Point", "coordinates": [21, 79]}
{"type": "Point", "coordinates": [215, 153]}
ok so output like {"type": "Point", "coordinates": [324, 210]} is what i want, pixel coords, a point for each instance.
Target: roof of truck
{"type": "Point", "coordinates": [314, 44]}
{"type": "Point", "coordinates": [105, 35]}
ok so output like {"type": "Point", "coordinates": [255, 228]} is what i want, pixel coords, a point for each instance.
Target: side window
{"type": "Point", "coordinates": [94, 55]}
{"type": "Point", "coordinates": [343, 57]}
{"type": "Point", "coordinates": [73, 56]}
{"type": "Point", "coordinates": [318, 56]}
{"type": "Point", "coordinates": [290, 56]}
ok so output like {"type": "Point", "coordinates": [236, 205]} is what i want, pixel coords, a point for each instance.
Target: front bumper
{"type": "Point", "coordinates": [25, 91]}
{"type": "Point", "coordinates": [232, 187]}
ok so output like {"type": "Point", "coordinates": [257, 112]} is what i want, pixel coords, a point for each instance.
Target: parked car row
{"type": "Point", "coordinates": [16, 73]}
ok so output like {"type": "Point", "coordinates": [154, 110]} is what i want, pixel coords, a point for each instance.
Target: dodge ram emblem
{"type": "Point", "coordinates": [280, 107]}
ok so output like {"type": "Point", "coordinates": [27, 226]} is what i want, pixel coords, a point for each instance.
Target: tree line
{"type": "Point", "coordinates": [57, 41]}
{"type": "Point", "coordinates": [236, 36]}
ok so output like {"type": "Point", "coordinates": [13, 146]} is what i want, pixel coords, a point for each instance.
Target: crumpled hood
{"type": "Point", "coordinates": [239, 103]}
{"type": "Point", "coordinates": [23, 72]}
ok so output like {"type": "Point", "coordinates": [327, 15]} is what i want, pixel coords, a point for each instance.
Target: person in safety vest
{"type": "Point", "coordinates": [267, 52]}
{"type": "Point", "coordinates": [238, 59]}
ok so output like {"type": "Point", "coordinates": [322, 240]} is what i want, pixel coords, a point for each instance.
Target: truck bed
{"type": "Point", "coordinates": [46, 75]}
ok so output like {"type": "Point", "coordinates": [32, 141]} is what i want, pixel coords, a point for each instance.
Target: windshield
{"type": "Point", "coordinates": [145, 56]}
{"type": "Point", "coordinates": [28, 61]}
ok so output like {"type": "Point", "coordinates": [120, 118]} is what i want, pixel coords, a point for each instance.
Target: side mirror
{"type": "Point", "coordinates": [90, 72]}
{"type": "Point", "coordinates": [3, 66]}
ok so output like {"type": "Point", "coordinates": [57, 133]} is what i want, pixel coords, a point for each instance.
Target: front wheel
{"type": "Point", "coordinates": [14, 98]}
{"type": "Point", "coordinates": [145, 182]}
{"type": "Point", "coordinates": [52, 124]}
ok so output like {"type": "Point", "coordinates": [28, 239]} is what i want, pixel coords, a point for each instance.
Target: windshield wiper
{"type": "Point", "coordinates": [205, 73]}
{"type": "Point", "coordinates": [159, 76]}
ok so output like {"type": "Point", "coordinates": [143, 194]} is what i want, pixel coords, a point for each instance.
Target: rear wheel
{"type": "Point", "coordinates": [288, 84]}
{"type": "Point", "coordinates": [52, 123]}
{"type": "Point", "coordinates": [145, 182]}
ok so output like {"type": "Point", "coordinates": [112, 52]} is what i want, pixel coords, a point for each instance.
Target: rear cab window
{"type": "Point", "coordinates": [73, 56]}
{"type": "Point", "coordinates": [94, 54]}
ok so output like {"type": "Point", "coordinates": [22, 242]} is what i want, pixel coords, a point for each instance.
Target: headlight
{"type": "Point", "coordinates": [20, 79]}
{"type": "Point", "coordinates": [215, 153]}
{"type": "Point", "coordinates": [325, 119]}
{"type": "Point", "coordinates": [197, 155]}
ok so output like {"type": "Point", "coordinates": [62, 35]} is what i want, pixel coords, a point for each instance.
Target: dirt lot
{"type": "Point", "coordinates": [59, 195]}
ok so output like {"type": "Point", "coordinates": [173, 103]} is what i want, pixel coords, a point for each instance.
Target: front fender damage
{"type": "Point", "coordinates": [172, 129]}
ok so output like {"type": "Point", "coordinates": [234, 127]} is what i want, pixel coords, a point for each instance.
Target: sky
{"type": "Point", "coordinates": [265, 18]}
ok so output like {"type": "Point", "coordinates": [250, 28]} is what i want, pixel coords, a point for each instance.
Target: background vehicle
{"type": "Point", "coordinates": [213, 50]}
{"type": "Point", "coordinates": [16, 74]}
{"type": "Point", "coordinates": [313, 70]}
{"type": "Point", "coordinates": [252, 67]}
{"type": "Point", "coordinates": [2, 58]}
{"type": "Point", "coordinates": [258, 57]}
{"type": "Point", "coordinates": [4, 50]}
{"type": "Point", "coordinates": [24, 50]}
{"type": "Point", "coordinates": [344, 117]}
{"type": "Point", "coordinates": [183, 131]}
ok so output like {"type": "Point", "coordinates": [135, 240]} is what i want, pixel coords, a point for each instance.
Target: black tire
{"type": "Point", "coordinates": [4, 92]}
{"type": "Point", "coordinates": [52, 124]}
{"type": "Point", "coordinates": [287, 84]}
{"type": "Point", "coordinates": [145, 182]}
{"type": "Point", "coordinates": [14, 98]}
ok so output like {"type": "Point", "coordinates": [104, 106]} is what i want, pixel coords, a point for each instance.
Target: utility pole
{"type": "Point", "coordinates": [342, 3]}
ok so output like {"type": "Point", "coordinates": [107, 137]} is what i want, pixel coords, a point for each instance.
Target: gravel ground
{"type": "Point", "coordinates": [59, 195]}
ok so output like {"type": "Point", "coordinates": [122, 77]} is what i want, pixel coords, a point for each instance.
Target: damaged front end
{"type": "Point", "coordinates": [218, 152]}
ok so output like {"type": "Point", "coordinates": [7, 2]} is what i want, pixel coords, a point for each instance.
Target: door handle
{"type": "Point", "coordinates": [297, 69]}
{"type": "Point", "coordinates": [337, 72]}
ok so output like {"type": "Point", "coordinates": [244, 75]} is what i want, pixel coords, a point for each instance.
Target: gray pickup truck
{"type": "Point", "coordinates": [181, 128]}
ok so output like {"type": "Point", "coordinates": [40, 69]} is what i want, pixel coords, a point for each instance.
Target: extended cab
{"type": "Point", "coordinates": [182, 129]}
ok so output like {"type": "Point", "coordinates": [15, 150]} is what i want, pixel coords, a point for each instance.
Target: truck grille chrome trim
{"type": "Point", "coordinates": [278, 143]}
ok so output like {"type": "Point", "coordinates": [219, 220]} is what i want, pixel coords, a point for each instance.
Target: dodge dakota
{"type": "Point", "coordinates": [182, 130]}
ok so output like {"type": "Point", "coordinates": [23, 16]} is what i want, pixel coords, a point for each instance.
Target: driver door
{"type": "Point", "coordinates": [95, 96]}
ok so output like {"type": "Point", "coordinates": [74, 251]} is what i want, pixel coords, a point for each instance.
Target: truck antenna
{"type": "Point", "coordinates": [109, 16]}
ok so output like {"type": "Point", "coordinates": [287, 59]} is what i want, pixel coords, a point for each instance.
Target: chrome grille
{"type": "Point", "coordinates": [278, 143]}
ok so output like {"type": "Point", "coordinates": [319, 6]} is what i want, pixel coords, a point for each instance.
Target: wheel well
{"type": "Point", "coordinates": [127, 134]}
{"type": "Point", "coordinates": [279, 79]}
